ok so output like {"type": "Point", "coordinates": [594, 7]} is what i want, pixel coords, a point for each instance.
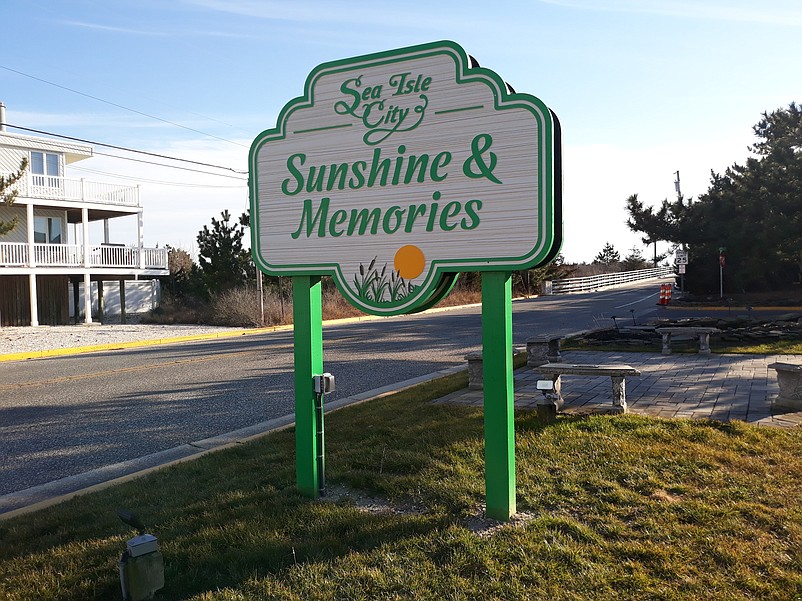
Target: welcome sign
{"type": "Point", "coordinates": [395, 171]}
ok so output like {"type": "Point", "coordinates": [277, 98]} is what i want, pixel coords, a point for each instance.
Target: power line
{"type": "Point", "coordinates": [114, 156]}
{"type": "Point", "coordinates": [120, 106]}
{"type": "Point", "coordinates": [123, 148]}
{"type": "Point", "coordinates": [152, 181]}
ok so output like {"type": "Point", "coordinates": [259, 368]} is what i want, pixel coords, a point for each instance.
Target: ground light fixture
{"type": "Point", "coordinates": [322, 384]}
{"type": "Point", "coordinates": [142, 564]}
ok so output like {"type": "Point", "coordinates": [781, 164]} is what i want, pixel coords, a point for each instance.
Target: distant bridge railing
{"type": "Point", "coordinates": [606, 280]}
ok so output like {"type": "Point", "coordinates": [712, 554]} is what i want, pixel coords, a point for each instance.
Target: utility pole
{"type": "Point", "coordinates": [679, 198]}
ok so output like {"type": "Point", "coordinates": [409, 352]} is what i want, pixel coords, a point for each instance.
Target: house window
{"type": "Point", "coordinates": [45, 169]}
{"type": "Point", "coordinates": [47, 230]}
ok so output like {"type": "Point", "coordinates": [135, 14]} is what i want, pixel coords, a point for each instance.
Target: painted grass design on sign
{"type": "Point", "coordinates": [376, 286]}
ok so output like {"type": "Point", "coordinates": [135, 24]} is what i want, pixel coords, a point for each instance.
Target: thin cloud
{"type": "Point", "coordinates": [789, 14]}
{"type": "Point", "coordinates": [58, 121]}
{"type": "Point", "coordinates": [282, 11]}
{"type": "Point", "coordinates": [112, 28]}
{"type": "Point", "coordinates": [335, 13]}
{"type": "Point", "coordinates": [142, 32]}
{"type": "Point", "coordinates": [226, 34]}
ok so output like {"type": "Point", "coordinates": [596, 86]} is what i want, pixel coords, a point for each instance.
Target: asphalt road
{"type": "Point", "coordinates": [64, 416]}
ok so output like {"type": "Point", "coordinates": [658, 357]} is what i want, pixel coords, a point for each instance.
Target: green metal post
{"type": "Point", "coordinates": [499, 400]}
{"type": "Point", "coordinates": [308, 339]}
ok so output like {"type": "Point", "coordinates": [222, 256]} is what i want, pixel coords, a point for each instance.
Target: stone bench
{"type": "Point", "coordinates": [476, 369]}
{"type": "Point", "coordinates": [789, 377]}
{"type": "Point", "coordinates": [540, 350]}
{"type": "Point", "coordinates": [543, 349]}
{"type": "Point", "coordinates": [703, 334]}
{"type": "Point", "coordinates": [552, 395]}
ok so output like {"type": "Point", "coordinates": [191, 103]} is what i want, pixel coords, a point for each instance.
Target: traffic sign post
{"type": "Point", "coordinates": [681, 260]}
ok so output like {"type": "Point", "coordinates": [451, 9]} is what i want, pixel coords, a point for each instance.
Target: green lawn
{"type": "Point", "coordinates": [620, 507]}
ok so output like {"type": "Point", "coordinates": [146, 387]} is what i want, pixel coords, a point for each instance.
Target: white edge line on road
{"type": "Point", "coordinates": [634, 302]}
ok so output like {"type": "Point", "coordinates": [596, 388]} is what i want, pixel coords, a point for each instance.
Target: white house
{"type": "Point", "coordinates": [50, 247]}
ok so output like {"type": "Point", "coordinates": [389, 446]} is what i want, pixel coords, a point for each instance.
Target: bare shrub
{"type": "Point", "coordinates": [172, 311]}
{"type": "Point", "coordinates": [336, 307]}
{"type": "Point", "coordinates": [462, 296]}
{"type": "Point", "coordinates": [275, 313]}
{"type": "Point", "coordinates": [236, 307]}
{"type": "Point", "coordinates": [582, 270]}
{"type": "Point", "coordinates": [240, 307]}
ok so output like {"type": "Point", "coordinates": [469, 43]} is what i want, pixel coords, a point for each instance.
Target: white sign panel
{"type": "Point", "coordinates": [396, 170]}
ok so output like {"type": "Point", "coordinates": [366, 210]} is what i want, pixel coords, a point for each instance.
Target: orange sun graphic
{"type": "Point", "coordinates": [409, 261]}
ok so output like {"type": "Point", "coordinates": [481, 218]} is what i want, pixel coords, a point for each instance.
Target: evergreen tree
{"type": "Point", "coordinates": [753, 210]}
{"type": "Point", "coordinates": [530, 281]}
{"type": "Point", "coordinates": [635, 260]}
{"type": "Point", "coordinates": [222, 261]}
{"type": "Point", "coordinates": [7, 195]}
{"type": "Point", "coordinates": [608, 255]}
{"type": "Point", "coordinates": [185, 281]}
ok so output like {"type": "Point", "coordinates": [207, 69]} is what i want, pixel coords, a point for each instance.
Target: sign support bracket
{"type": "Point", "coordinates": [308, 356]}
{"type": "Point", "coordinates": [499, 398]}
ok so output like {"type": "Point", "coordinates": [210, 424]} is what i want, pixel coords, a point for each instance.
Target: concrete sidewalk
{"type": "Point", "coordinates": [721, 387]}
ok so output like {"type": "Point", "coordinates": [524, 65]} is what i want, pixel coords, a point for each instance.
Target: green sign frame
{"type": "Point", "coordinates": [487, 162]}
{"type": "Point", "coordinates": [436, 193]}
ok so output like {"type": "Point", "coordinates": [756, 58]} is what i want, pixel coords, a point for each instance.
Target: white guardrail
{"type": "Point", "coordinates": [606, 280]}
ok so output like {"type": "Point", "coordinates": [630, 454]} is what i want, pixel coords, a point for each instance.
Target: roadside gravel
{"type": "Point", "coordinates": [44, 338]}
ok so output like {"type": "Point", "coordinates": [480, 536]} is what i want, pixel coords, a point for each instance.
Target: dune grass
{"type": "Point", "coordinates": [775, 347]}
{"type": "Point", "coordinates": [778, 347]}
{"type": "Point", "coordinates": [621, 507]}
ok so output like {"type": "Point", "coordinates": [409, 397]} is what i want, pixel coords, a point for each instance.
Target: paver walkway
{"type": "Point", "coordinates": [721, 387]}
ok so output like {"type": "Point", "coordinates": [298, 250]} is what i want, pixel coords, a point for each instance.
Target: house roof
{"type": "Point", "coordinates": [72, 151]}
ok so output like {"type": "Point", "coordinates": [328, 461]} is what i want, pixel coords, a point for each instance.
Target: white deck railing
{"type": "Point", "coordinates": [60, 188]}
{"type": "Point", "coordinates": [605, 280]}
{"type": "Point", "coordinates": [16, 254]}
{"type": "Point", "coordinates": [60, 255]}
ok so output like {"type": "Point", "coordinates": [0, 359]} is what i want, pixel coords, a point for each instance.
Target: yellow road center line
{"type": "Point", "coordinates": [108, 372]}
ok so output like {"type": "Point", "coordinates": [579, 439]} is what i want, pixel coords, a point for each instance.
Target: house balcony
{"type": "Point", "coordinates": [17, 255]}
{"type": "Point", "coordinates": [52, 188]}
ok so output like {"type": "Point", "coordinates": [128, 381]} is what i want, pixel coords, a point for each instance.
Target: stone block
{"type": "Point", "coordinates": [789, 378]}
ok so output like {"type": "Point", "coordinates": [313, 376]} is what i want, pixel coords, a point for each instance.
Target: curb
{"type": "Point", "coordinates": [52, 493]}
{"type": "Point", "coordinates": [733, 308]}
{"type": "Point", "coordinates": [112, 346]}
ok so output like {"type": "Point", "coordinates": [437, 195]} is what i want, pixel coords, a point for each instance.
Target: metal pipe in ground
{"type": "Point", "coordinates": [321, 451]}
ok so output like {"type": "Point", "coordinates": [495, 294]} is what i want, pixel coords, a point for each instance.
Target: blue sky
{"type": "Point", "coordinates": [643, 88]}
